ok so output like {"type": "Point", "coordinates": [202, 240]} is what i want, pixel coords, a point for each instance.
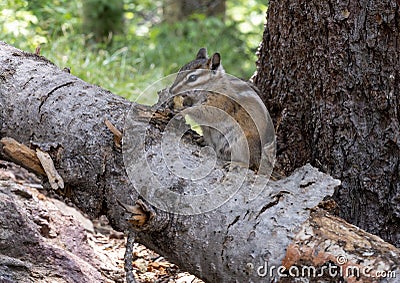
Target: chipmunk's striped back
{"type": "Point", "coordinates": [236, 100]}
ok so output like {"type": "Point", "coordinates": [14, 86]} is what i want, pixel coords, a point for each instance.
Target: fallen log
{"type": "Point", "coordinates": [231, 226]}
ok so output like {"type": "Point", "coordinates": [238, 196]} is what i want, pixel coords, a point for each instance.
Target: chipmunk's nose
{"type": "Point", "coordinates": [173, 88]}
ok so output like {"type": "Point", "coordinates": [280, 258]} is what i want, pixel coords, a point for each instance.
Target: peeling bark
{"type": "Point", "coordinates": [335, 247]}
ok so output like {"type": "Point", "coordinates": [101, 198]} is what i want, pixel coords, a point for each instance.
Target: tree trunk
{"type": "Point", "coordinates": [177, 10]}
{"type": "Point", "coordinates": [55, 112]}
{"type": "Point", "coordinates": [329, 74]}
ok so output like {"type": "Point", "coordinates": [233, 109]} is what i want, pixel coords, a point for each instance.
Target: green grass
{"type": "Point", "coordinates": [147, 51]}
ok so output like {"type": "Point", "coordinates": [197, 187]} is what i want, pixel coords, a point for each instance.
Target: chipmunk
{"type": "Point", "coordinates": [233, 118]}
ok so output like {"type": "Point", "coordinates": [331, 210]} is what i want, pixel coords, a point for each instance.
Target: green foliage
{"type": "Point", "coordinates": [148, 49]}
{"type": "Point", "coordinates": [102, 17]}
{"type": "Point", "coordinates": [179, 38]}
{"type": "Point", "coordinates": [17, 23]}
{"type": "Point", "coordinates": [248, 17]}
{"type": "Point", "coordinates": [27, 24]}
{"type": "Point", "coordinates": [57, 17]}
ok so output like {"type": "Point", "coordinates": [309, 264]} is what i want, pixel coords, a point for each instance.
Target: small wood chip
{"type": "Point", "coordinates": [55, 180]}
{"type": "Point", "coordinates": [117, 133]}
{"type": "Point", "coordinates": [22, 155]}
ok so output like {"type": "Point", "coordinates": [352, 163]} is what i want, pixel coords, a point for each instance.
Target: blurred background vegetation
{"type": "Point", "coordinates": [125, 45]}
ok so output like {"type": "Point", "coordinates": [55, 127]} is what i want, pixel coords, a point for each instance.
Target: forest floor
{"type": "Point", "coordinates": [107, 244]}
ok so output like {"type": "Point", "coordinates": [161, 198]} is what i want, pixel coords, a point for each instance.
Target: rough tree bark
{"type": "Point", "coordinates": [329, 74]}
{"type": "Point", "coordinates": [44, 107]}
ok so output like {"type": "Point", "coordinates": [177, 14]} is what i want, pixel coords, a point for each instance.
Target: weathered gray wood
{"type": "Point", "coordinates": [45, 107]}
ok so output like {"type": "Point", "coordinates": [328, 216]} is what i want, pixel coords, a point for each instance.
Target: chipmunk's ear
{"type": "Point", "coordinates": [202, 54]}
{"type": "Point", "coordinates": [215, 61]}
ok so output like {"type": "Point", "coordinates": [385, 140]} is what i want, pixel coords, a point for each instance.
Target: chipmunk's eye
{"type": "Point", "coordinates": [192, 78]}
